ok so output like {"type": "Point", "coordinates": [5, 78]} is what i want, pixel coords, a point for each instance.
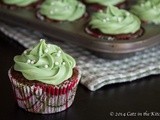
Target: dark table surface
{"type": "Point", "coordinates": [137, 100]}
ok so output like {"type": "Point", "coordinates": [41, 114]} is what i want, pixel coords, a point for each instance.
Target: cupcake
{"type": "Point", "coordinates": [21, 3]}
{"type": "Point", "coordinates": [147, 10]}
{"type": "Point", "coordinates": [61, 10]}
{"type": "Point", "coordinates": [101, 4]}
{"type": "Point", "coordinates": [114, 24]}
{"type": "Point", "coordinates": [44, 79]}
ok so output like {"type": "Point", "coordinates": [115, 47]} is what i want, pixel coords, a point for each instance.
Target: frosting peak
{"type": "Point", "coordinates": [46, 63]}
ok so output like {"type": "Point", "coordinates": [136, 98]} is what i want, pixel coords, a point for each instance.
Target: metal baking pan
{"type": "Point", "coordinates": [74, 32]}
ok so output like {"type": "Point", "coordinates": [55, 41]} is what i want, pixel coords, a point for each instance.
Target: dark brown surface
{"type": "Point", "coordinates": [74, 32]}
{"type": "Point", "coordinates": [139, 97]}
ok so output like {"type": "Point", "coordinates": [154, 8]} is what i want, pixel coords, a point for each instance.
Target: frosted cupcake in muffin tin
{"type": "Point", "coordinates": [61, 10]}
{"type": "Point", "coordinates": [113, 23]}
{"type": "Point", "coordinates": [147, 10]}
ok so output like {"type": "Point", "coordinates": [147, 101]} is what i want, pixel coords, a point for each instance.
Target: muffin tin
{"type": "Point", "coordinates": [74, 32]}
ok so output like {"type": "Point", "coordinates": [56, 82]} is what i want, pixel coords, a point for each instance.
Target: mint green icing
{"type": "Point", "coordinates": [46, 63]}
{"type": "Point", "coordinates": [147, 10]}
{"type": "Point", "coordinates": [114, 21]}
{"type": "Point", "coordinates": [105, 2]}
{"type": "Point", "coordinates": [63, 10]}
{"type": "Point", "coordinates": [19, 2]}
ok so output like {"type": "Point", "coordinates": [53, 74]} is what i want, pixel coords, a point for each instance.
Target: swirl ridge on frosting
{"type": "Point", "coordinates": [114, 21]}
{"type": "Point", "coordinates": [63, 10]}
{"type": "Point", "coordinates": [105, 2]}
{"type": "Point", "coordinates": [19, 2]}
{"type": "Point", "coordinates": [147, 10]}
{"type": "Point", "coordinates": [46, 63]}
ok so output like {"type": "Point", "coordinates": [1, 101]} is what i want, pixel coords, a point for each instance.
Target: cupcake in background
{"type": "Point", "coordinates": [101, 4]}
{"type": "Point", "coordinates": [114, 24]}
{"type": "Point", "coordinates": [21, 3]}
{"type": "Point", "coordinates": [61, 10]}
{"type": "Point", "coordinates": [44, 79]}
{"type": "Point", "coordinates": [147, 10]}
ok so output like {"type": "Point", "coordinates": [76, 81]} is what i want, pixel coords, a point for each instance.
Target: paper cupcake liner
{"type": "Point", "coordinates": [44, 99]}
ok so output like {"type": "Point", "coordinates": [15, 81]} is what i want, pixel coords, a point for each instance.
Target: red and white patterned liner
{"type": "Point", "coordinates": [45, 99]}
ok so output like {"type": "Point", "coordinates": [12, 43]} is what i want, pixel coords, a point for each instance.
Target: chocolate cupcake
{"type": "Point", "coordinates": [147, 10]}
{"type": "Point", "coordinates": [12, 4]}
{"type": "Point", "coordinates": [102, 4]}
{"type": "Point", "coordinates": [61, 10]}
{"type": "Point", "coordinates": [44, 79]}
{"type": "Point", "coordinates": [114, 24]}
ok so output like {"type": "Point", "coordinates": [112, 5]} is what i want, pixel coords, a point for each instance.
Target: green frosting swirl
{"type": "Point", "coordinates": [63, 10]}
{"type": "Point", "coordinates": [105, 2]}
{"type": "Point", "coordinates": [19, 2]}
{"type": "Point", "coordinates": [115, 21]}
{"type": "Point", "coordinates": [148, 10]}
{"type": "Point", "coordinates": [46, 63]}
